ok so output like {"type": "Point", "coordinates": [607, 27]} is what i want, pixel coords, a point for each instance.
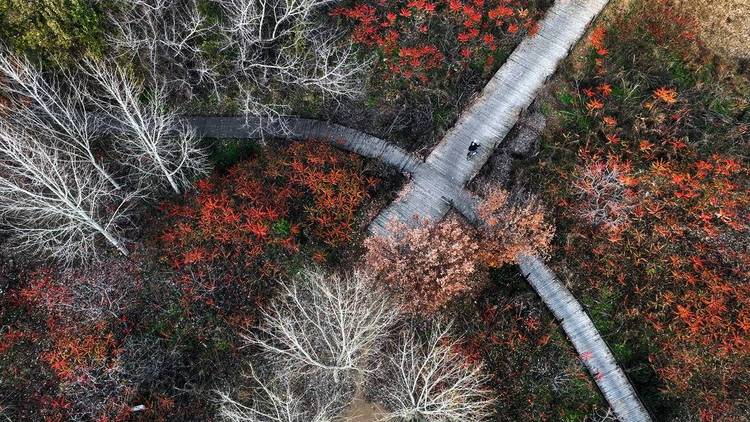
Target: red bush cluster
{"type": "Point", "coordinates": [418, 37]}
{"type": "Point", "coordinates": [81, 343]}
{"type": "Point", "coordinates": [679, 203]}
{"type": "Point", "coordinates": [265, 204]}
{"type": "Point", "coordinates": [76, 340]}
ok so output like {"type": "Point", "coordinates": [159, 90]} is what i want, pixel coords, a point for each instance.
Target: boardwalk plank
{"type": "Point", "coordinates": [303, 129]}
{"type": "Point", "coordinates": [488, 120]}
{"type": "Point", "coordinates": [581, 331]}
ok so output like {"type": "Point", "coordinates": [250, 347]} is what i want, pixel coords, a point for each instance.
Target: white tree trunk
{"type": "Point", "coordinates": [53, 107]}
{"type": "Point", "coordinates": [54, 202]}
{"type": "Point", "coordinates": [149, 138]}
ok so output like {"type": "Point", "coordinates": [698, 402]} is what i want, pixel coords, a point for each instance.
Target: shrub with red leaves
{"type": "Point", "coordinates": [265, 204]}
{"type": "Point", "coordinates": [418, 39]}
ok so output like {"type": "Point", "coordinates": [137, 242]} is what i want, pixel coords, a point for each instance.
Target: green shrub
{"type": "Point", "coordinates": [51, 30]}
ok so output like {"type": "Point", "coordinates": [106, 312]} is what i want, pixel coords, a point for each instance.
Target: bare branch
{"type": "Point", "coordinates": [428, 381]}
{"type": "Point", "coordinates": [285, 399]}
{"type": "Point", "coordinates": [51, 107]}
{"type": "Point", "coordinates": [164, 36]}
{"type": "Point", "coordinates": [325, 324]}
{"type": "Point", "coordinates": [54, 203]}
{"type": "Point", "coordinates": [264, 46]}
{"type": "Point", "coordinates": [605, 199]}
{"type": "Point", "coordinates": [150, 138]}
{"type": "Point", "coordinates": [288, 42]}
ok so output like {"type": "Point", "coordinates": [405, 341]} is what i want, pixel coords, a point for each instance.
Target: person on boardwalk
{"type": "Point", "coordinates": [473, 148]}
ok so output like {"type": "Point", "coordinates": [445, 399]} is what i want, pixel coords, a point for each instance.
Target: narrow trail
{"type": "Point", "coordinates": [439, 184]}
{"type": "Point", "coordinates": [579, 328]}
{"type": "Point", "coordinates": [302, 129]}
{"type": "Point", "coordinates": [593, 350]}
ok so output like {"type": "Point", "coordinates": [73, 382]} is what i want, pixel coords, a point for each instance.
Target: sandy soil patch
{"type": "Point", "coordinates": [724, 25]}
{"type": "Point", "coordinates": [362, 411]}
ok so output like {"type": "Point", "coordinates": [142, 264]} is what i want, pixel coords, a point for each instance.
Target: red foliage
{"type": "Point", "coordinates": [263, 205]}
{"type": "Point", "coordinates": [43, 292]}
{"type": "Point", "coordinates": [9, 339]}
{"type": "Point", "coordinates": [678, 256]}
{"type": "Point", "coordinates": [476, 26]}
{"type": "Point", "coordinates": [73, 353]}
{"type": "Point", "coordinates": [77, 336]}
{"type": "Point", "coordinates": [597, 40]}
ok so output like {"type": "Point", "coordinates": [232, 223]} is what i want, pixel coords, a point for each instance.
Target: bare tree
{"type": "Point", "coordinates": [164, 36]}
{"type": "Point", "coordinates": [326, 324]}
{"type": "Point", "coordinates": [318, 341]}
{"type": "Point", "coordinates": [98, 292]}
{"type": "Point", "coordinates": [264, 45]}
{"type": "Point", "coordinates": [429, 381]}
{"type": "Point", "coordinates": [53, 202]}
{"type": "Point", "coordinates": [288, 42]}
{"type": "Point", "coordinates": [331, 70]}
{"type": "Point", "coordinates": [605, 199]}
{"type": "Point", "coordinates": [256, 27]}
{"type": "Point", "coordinates": [150, 137]}
{"type": "Point", "coordinates": [281, 398]}
{"type": "Point", "coordinates": [51, 107]}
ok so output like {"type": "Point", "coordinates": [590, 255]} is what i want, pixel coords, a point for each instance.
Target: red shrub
{"type": "Point", "coordinates": [419, 37]}
{"type": "Point", "coordinates": [263, 205]}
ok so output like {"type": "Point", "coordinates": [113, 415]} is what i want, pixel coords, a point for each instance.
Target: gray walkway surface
{"type": "Point", "coordinates": [303, 129]}
{"type": "Point", "coordinates": [439, 184]}
{"type": "Point", "coordinates": [594, 352]}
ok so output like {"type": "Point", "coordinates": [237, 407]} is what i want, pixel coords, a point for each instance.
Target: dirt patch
{"type": "Point", "coordinates": [362, 411]}
{"type": "Point", "coordinates": [724, 25]}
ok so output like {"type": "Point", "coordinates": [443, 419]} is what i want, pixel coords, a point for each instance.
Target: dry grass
{"type": "Point", "coordinates": [724, 25]}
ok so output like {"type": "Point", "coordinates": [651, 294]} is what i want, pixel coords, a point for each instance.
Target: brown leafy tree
{"type": "Point", "coordinates": [427, 266]}
{"type": "Point", "coordinates": [511, 227]}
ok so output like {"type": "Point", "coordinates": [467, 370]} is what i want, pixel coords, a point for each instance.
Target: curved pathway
{"type": "Point", "coordinates": [301, 129]}
{"type": "Point", "coordinates": [579, 328]}
{"type": "Point", "coordinates": [438, 183]}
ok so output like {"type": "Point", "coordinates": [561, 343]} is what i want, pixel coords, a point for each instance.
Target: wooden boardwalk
{"type": "Point", "coordinates": [303, 129]}
{"type": "Point", "coordinates": [440, 183]}
{"type": "Point", "coordinates": [492, 115]}
{"type": "Point", "coordinates": [594, 352]}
